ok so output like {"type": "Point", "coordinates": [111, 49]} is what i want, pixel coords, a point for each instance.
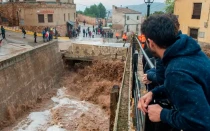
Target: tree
{"type": "Point", "coordinates": [158, 12]}
{"type": "Point", "coordinates": [95, 11]}
{"type": "Point", "coordinates": [169, 6]}
{"type": "Point", "coordinates": [102, 10]}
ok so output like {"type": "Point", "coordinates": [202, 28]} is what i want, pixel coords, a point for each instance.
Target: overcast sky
{"type": "Point", "coordinates": [82, 4]}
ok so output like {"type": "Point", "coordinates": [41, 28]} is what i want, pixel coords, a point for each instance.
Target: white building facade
{"type": "Point", "coordinates": [126, 20]}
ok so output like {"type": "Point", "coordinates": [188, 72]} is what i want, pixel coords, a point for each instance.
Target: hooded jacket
{"type": "Point", "coordinates": [156, 75]}
{"type": "Point", "coordinates": [187, 85]}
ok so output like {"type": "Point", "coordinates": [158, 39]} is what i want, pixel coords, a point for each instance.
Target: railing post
{"type": "Point", "coordinates": [113, 105]}
{"type": "Point", "coordinates": [133, 49]}
{"type": "Point", "coordinates": [135, 69]}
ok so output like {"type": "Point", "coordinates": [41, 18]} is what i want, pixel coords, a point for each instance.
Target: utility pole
{"type": "Point", "coordinates": [148, 2]}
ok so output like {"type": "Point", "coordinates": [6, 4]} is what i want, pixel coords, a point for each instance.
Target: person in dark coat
{"type": "Point", "coordinates": [83, 32]}
{"type": "Point", "coordinates": [35, 36]}
{"type": "Point", "coordinates": [3, 32]}
{"type": "Point", "coordinates": [187, 77]}
{"type": "Point", "coordinates": [43, 35]}
{"type": "Point", "coordinates": [24, 33]}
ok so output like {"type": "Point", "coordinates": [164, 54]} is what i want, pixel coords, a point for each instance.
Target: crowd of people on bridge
{"type": "Point", "coordinates": [182, 76]}
{"type": "Point", "coordinates": [74, 32]}
{"type": "Point", "coordinates": [97, 31]}
{"type": "Point", "coordinates": [48, 33]}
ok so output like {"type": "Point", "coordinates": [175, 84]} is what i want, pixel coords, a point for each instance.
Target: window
{"type": "Point", "coordinates": [194, 33]}
{"type": "Point", "coordinates": [64, 17]}
{"type": "Point", "coordinates": [137, 17]}
{"type": "Point", "coordinates": [68, 16]}
{"type": "Point", "coordinates": [127, 28]}
{"type": "Point", "coordinates": [201, 34]}
{"type": "Point", "coordinates": [197, 11]}
{"type": "Point", "coordinates": [128, 18]}
{"type": "Point", "coordinates": [50, 17]}
{"type": "Point", "coordinates": [41, 18]}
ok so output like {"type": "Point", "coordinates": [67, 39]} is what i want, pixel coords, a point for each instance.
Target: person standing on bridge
{"type": "Point", "coordinates": [124, 37]}
{"type": "Point", "coordinates": [35, 36]}
{"type": "Point", "coordinates": [187, 77]}
{"type": "Point", "coordinates": [142, 39]}
{"type": "Point", "coordinates": [47, 35]}
{"type": "Point", "coordinates": [84, 22]}
{"type": "Point", "coordinates": [96, 31]}
{"type": "Point", "coordinates": [86, 32]}
{"type": "Point", "coordinates": [3, 32]}
{"type": "Point", "coordinates": [43, 35]}
{"type": "Point", "coordinates": [117, 35]}
{"type": "Point", "coordinates": [83, 32]}
{"type": "Point", "coordinates": [24, 33]}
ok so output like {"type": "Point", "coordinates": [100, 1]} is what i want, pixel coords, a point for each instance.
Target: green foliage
{"type": "Point", "coordinates": [98, 11]}
{"type": "Point", "coordinates": [102, 10]}
{"type": "Point", "coordinates": [158, 12]}
{"type": "Point", "coordinates": [169, 6]}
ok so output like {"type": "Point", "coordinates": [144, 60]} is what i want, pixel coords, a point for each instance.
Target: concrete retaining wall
{"type": "Point", "coordinates": [90, 52]}
{"type": "Point", "coordinates": [27, 76]}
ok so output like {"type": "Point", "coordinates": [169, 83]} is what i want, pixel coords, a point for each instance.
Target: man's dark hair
{"type": "Point", "coordinates": [161, 29]}
{"type": "Point", "coordinates": [175, 20]}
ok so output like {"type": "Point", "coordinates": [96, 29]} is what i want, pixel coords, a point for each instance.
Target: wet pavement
{"type": "Point", "coordinates": [8, 50]}
{"type": "Point", "coordinates": [97, 40]}
{"type": "Point", "coordinates": [15, 44]}
{"type": "Point", "coordinates": [17, 37]}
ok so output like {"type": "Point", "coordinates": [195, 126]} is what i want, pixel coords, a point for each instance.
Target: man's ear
{"type": "Point", "coordinates": [151, 42]}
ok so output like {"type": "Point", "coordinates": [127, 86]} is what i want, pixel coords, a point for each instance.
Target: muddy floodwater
{"type": "Point", "coordinates": [81, 104]}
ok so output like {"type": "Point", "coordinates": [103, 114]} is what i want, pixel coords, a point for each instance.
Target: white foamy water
{"type": "Point", "coordinates": [55, 128]}
{"type": "Point", "coordinates": [40, 121]}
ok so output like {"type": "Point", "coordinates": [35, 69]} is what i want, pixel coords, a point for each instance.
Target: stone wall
{"type": "Point", "coordinates": [88, 19]}
{"type": "Point", "coordinates": [27, 76]}
{"type": "Point", "coordinates": [62, 29]}
{"type": "Point", "coordinates": [93, 52]}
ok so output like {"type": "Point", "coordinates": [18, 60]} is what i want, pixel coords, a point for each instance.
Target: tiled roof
{"type": "Point", "coordinates": [126, 10]}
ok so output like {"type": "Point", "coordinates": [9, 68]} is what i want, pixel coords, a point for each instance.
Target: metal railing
{"type": "Point", "coordinates": [149, 62]}
{"type": "Point", "coordinates": [136, 85]}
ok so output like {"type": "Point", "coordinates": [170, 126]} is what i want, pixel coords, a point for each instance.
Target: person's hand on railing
{"type": "Point", "coordinates": [145, 80]}
{"type": "Point", "coordinates": [154, 112]}
{"type": "Point", "coordinates": [144, 102]}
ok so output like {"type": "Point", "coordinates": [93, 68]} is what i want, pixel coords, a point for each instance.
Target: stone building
{"type": "Point", "coordinates": [36, 15]}
{"type": "Point", "coordinates": [126, 20]}
{"type": "Point", "coordinates": [193, 17]}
